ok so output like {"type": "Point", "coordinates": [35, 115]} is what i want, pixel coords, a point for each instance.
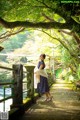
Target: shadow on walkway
{"type": "Point", "coordinates": [64, 106]}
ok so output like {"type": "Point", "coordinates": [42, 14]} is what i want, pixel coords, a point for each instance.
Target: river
{"type": "Point", "coordinates": [7, 102]}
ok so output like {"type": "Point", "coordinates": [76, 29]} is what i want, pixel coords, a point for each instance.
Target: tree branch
{"type": "Point", "coordinates": [67, 42]}
{"type": "Point", "coordinates": [58, 39]}
{"type": "Point", "coordinates": [9, 33]}
{"type": "Point", "coordinates": [46, 25]}
{"type": "Point", "coordinates": [74, 34]}
{"type": "Point", "coordinates": [47, 17]}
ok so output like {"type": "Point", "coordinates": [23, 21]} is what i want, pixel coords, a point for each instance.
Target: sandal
{"type": "Point", "coordinates": [49, 99]}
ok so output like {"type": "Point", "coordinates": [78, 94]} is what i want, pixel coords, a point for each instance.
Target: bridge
{"type": "Point", "coordinates": [28, 104]}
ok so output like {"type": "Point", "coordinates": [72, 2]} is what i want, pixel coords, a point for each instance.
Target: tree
{"type": "Point", "coordinates": [40, 14]}
{"type": "Point", "coordinates": [18, 15]}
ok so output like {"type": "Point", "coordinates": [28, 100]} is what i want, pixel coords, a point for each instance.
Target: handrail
{"type": "Point", "coordinates": [16, 84]}
{"type": "Point", "coordinates": [7, 68]}
{"type": "Point", "coordinates": [7, 83]}
{"type": "Point", "coordinates": [6, 98]}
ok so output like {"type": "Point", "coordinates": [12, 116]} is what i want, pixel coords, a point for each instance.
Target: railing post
{"type": "Point", "coordinates": [17, 85]}
{"type": "Point", "coordinates": [30, 81]}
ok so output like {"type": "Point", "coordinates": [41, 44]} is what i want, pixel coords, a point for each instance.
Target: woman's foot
{"type": "Point", "coordinates": [49, 99]}
{"type": "Point", "coordinates": [46, 99]}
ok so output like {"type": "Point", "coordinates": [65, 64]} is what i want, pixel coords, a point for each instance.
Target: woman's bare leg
{"type": "Point", "coordinates": [48, 96]}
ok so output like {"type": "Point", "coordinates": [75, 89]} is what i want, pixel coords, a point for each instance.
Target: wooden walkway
{"type": "Point", "coordinates": [64, 106]}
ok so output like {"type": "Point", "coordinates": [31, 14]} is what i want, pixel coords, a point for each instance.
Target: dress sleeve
{"type": "Point", "coordinates": [41, 63]}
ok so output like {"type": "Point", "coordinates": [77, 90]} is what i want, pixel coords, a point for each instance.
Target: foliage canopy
{"type": "Point", "coordinates": [40, 13]}
{"type": "Point", "coordinates": [16, 15]}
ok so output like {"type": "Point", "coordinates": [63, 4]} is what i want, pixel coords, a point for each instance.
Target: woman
{"type": "Point", "coordinates": [42, 86]}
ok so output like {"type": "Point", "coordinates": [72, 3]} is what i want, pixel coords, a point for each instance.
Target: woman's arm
{"type": "Point", "coordinates": [41, 66]}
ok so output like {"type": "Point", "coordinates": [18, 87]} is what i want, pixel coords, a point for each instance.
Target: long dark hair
{"type": "Point", "coordinates": [44, 56]}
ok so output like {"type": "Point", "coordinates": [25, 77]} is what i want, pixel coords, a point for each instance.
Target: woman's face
{"type": "Point", "coordinates": [41, 57]}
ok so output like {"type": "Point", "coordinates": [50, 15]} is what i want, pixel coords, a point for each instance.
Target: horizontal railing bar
{"type": "Point", "coordinates": [7, 68]}
{"type": "Point", "coordinates": [2, 100]}
{"type": "Point", "coordinates": [8, 83]}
